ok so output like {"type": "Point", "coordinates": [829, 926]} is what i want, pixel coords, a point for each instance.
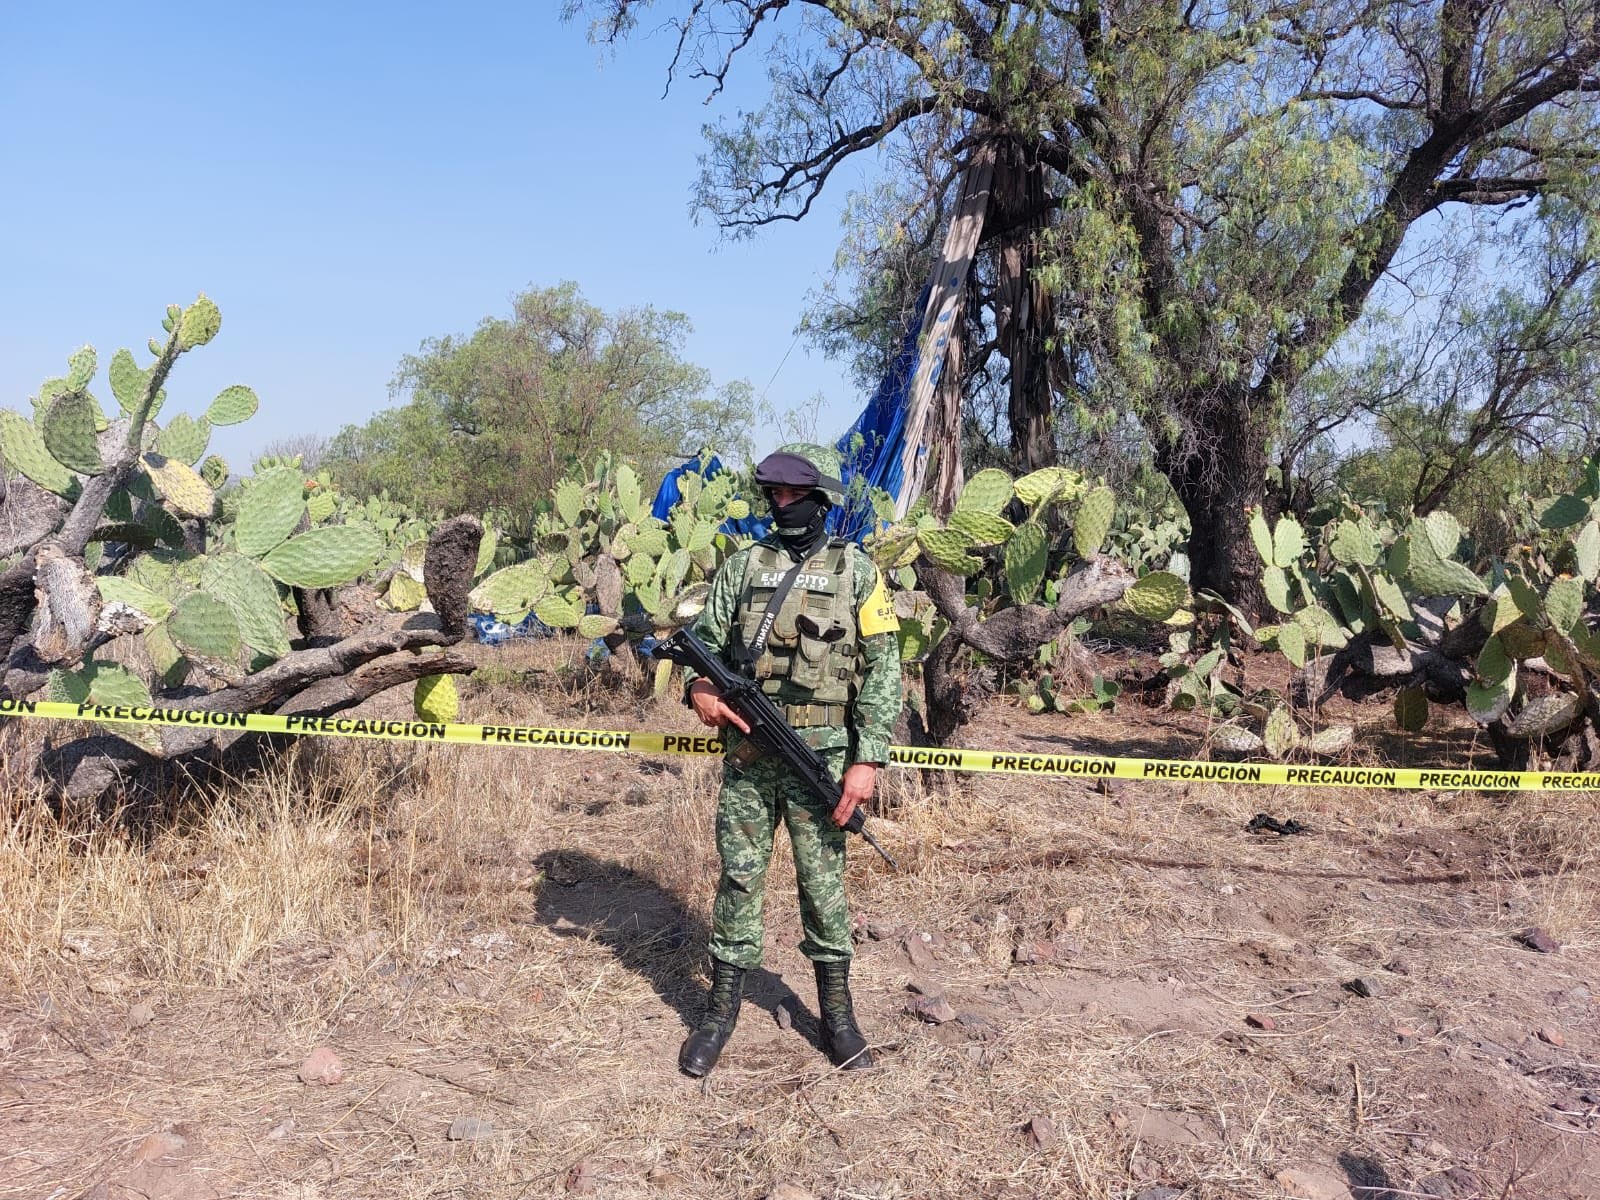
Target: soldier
{"type": "Point", "coordinates": [807, 616]}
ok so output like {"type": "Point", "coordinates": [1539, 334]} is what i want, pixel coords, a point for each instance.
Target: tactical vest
{"type": "Point", "coordinates": [812, 653]}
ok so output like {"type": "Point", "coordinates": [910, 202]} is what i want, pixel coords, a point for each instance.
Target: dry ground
{"type": "Point", "coordinates": [515, 936]}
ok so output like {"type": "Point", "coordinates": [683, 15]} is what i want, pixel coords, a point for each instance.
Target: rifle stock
{"type": "Point", "coordinates": [768, 729]}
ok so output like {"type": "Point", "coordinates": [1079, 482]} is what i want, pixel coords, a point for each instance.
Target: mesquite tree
{"type": "Point", "coordinates": [1226, 183]}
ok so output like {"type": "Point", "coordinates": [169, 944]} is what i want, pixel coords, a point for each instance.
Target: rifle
{"type": "Point", "coordinates": [768, 730]}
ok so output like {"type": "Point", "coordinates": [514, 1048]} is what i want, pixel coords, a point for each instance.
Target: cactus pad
{"type": "Point", "coordinates": [67, 428]}
{"type": "Point", "coordinates": [947, 550]}
{"type": "Point", "coordinates": [556, 612]}
{"type": "Point", "coordinates": [214, 471]}
{"type": "Point", "coordinates": [81, 368]}
{"type": "Point", "coordinates": [436, 698]}
{"type": "Point", "coordinates": [1488, 702]}
{"type": "Point", "coordinates": [1093, 521]}
{"type": "Point", "coordinates": [232, 405]}
{"type": "Point", "coordinates": [1429, 567]}
{"type": "Point", "coordinates": [120, 588]}
{"type": "Point", "coordinates": [324, 557]}
{"type": "Point", "coordinates": [1261, 536]}
{"type": "Point", "coordinates": [203, 625]}
{"type": "Point", "coordinates": [1330, 740]}
{"type": "Point", "coordinates": [252, 598]}
{"type": "Point", "coordinates": [649, 540]}
{"type": "Point", "coordinates": [982, 528]}
{"type": "Point", "coordinates": [1275, 583]}
{"type": "Point", "coordinates": [404, 594]}
{"type": "Point", "coordinates": [512, 589]}
{"type": "Point", "coordinates": [1026, 560]}
{"type": "Point", "coordinates": [1292, 643]}
{"type": "Point", "coordinates": [1157, 596]}
{"type": "Point", "coordinates": [1049, 483]}
{"type": "Point", "coordinates": [179, 486]}
{"type": "Point", "coordinates": [1411, 709]}
{"type": "Point", "coordinates": [1235, 739]}
{"type": "Point", "coordinates": [1545, 715]}
{"type": "Point", "coordinates": [269, 510]}
{"type": "Point", "coordinates": [1288, 543]}
{"type": "Point", "coordinates": [1353, 544]}
{"type": "Point", "coordinates": [1563, 602]}
{"type": "Point", "coordinates": [1280, 736]}
{"type": "Point", "coordinates": [127, 380]}
{"type": "Point", "coordinates": [1494, 664]}
{"type": "Point", "coordinates": [25, 450]}
{"type": "Point", "coordinates": [569, 501]}
{"type": "Point", "coordinates": [987, 491]}
{"type": "Point", "coordinates": [199, 323]}
{"type": "Point", "coordinates": [596, 626]}
{"type": "Point", "coordinates": [184, 438]}
{"type": "Point", "coordinates": [1586, 552]}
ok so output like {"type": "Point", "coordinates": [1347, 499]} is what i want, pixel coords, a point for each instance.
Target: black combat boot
{"type": "Point", "coordinates": [703, 1047]}
{"type": "Point", "coordinates": [841, 1036]}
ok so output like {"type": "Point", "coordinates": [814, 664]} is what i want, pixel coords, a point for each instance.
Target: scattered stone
{"type": "Point", "coordinates": [159, 1145]}
{"type": "Point", "coordinates": [784, 1014]}
{"type": "Point", "coordinates": [1580, 995]}
{"type": "Point", "coordinates": [789, 1191]}
{"type": "Point", "coordinates": [665, 1178]}
{"type": "Point", "coordinates": [322, 1066]}
{"type": "Point", "coordinates": [1552, 1036]}
{"type": "Point", "coordinates": [919, 949]}
{"type": "Point", "coordinates": [1404, 1035]}
{"type": "Point", "coordinates": [1035, 950]}
{"type": "Point", "coordinates": [1396, 967]}
{"type": "Point", "coordinates": [1040, 1132]}
{"type": "Point", "coordinates": [1365, 988]}
{"type": "Point", "coordinates": [470, 1129]}
{"type": "Point", "coordinates": [1074, 917]}
{"type": "Point", "coordinates": [935, 1010]}
{"type": "Point", "coordinates": [140, 1015]}
{"type": "Point", "coordinates": [1261, 1021]}
{"type": "Point", "coordinates": [1313, 1183]}
{"type": "Point", "coordinates": [1160, 1193]}
{"type": "Point", "coordinates": [281, 1130]}
{"type": "Point", "coordinates": [1536, 938]}
{"type": "Point", "coordinates": [581, 1179]}
{"type": "Point", "coordinates": [1228, 889]}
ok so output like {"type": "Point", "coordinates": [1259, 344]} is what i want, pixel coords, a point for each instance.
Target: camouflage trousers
{"type": "Point", "coordinates": [748, 808]}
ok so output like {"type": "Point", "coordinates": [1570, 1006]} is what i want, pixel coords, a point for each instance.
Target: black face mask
{"type": "Point", "coordinates": [799, 525]}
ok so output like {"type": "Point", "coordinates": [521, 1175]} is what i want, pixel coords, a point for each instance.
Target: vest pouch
{"type": "Point", "coordinates": [810, 669]}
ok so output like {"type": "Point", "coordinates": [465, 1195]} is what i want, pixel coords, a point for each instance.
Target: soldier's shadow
{"type": "Point", "coordinates": [652, 934]}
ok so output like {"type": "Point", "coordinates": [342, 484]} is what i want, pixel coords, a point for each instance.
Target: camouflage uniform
{"type": "Point", "coordinates": [755, 796]}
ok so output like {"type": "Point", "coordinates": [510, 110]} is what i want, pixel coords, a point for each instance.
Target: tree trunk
{"type": "Point", "coordinates": [945, 477]}
{"type": "Point", "coordinates": [1218, 483]}
{"type": "Point", "coordinates": [1024, 311]}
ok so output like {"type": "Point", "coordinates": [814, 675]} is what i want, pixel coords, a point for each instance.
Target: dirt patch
{"type": "Point", "coordinates": [504, 949]}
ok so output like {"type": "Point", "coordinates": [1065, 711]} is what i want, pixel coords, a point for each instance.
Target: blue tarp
{"type": "Point", "coordinates": [881, 428]}
{"type": "Point", "coordinates": [706, 466]}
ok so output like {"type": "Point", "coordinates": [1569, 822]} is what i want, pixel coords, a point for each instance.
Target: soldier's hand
{"type": "Point", "coordinates": [857, 786]}
{"type": "Point", "coordinates": [708, 706]}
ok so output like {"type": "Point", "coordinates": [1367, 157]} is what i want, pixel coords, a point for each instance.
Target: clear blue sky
{"type": "Point", "coordinates": [348, 180]}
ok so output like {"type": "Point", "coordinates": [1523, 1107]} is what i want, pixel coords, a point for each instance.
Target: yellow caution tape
{"type": "Point", "coordinates": [1155, 770]}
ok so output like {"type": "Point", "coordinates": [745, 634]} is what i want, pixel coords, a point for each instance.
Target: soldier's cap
{"type": "Point", "coordinates": [786, 469]}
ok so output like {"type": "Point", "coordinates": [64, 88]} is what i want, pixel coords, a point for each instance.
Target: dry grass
{"type": "Point", "coordinates": [516, 936]}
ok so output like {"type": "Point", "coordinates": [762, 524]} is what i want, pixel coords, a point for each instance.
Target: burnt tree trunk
{"type": "Point", "coordinates": [1024, 310]}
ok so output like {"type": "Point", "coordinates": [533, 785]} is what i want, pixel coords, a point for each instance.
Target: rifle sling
{"type": "Point", "coordinates": [749, 654]}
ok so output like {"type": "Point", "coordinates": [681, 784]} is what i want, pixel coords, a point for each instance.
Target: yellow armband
{"type": "Point", "coordinates": [877, 613]}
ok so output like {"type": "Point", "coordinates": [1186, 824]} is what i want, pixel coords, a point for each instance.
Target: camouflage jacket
{"type": "Point", "coordinates": [876, 706]}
